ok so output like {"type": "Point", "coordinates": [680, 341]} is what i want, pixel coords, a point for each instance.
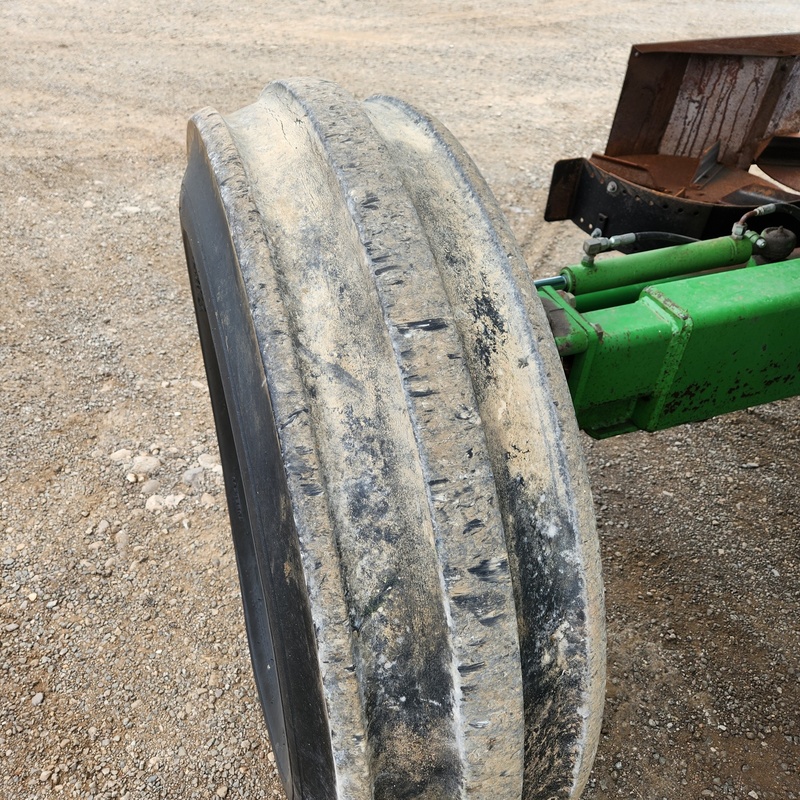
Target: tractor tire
{"type": "Point", "coordinates": [410, 510]}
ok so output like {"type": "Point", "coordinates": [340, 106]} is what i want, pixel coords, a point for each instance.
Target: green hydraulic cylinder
{"type": "Point", "coordinates": [687, 348]}
{"type": "Point", "coordinates": [655, 265]}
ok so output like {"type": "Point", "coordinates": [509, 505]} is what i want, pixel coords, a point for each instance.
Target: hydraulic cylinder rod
{"type": "Point", "coordinates": [656, 265]}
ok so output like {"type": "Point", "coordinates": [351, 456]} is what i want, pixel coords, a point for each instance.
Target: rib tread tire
{"type": "Point", "coordinates": [411, 517]}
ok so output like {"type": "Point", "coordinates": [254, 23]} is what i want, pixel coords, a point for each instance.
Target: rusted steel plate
{"type": "Point", "coordinates": [692, 119]}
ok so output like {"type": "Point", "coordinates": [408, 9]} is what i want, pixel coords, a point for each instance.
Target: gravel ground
{"type": "Point", "coordinates": [123, 660]}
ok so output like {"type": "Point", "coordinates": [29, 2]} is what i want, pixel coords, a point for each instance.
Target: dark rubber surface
{"type": "Point", "coordinates": [411, 516]}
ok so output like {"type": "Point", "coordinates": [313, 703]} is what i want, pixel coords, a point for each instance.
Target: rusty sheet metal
{"type": "Point", "coordinates": [725, 97]}
{"type": "Point", "coordinates": [692, 119]}
{"type": "Point", "coordinates": [780, 159]}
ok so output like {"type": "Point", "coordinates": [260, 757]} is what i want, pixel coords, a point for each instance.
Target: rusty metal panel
{"type": "Point", "coordinates": [692, 120]}
{"type": "Point", "coordinates": [649, 92]}
{"type": "Point", "coordinates": [680, 98]}
{"type": "Point", "coordinates": [718, 101]}
{"type": "Point", "coordinates": [778, 45]}
{"type": "Point", "coordinates": [786, 119]}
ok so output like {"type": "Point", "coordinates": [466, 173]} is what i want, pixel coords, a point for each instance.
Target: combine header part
{"type": "Point", "coordinates": [398, 402]}
{"type": "Point", "coordinates": [692, 120]}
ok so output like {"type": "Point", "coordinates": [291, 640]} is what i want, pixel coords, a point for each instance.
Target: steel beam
{"type": "Point", "coordinates": [685, 349]}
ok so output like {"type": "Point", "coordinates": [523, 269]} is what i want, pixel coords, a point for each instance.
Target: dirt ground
{"type": "Point", "coordinates": [124, 669]}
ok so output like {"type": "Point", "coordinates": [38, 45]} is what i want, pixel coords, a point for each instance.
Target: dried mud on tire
{"type": "Point", "coordinates": [123, 656]}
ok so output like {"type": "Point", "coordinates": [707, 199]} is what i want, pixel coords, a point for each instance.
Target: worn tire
{"type": "Point", "coordinates": [410, 510]}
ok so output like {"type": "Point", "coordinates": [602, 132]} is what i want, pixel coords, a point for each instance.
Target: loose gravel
{"type": "Point", "coordinates": [124, 670]}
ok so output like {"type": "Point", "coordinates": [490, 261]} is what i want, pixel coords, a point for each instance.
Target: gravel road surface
{"type": "Point", "coordinates": [124, 670]}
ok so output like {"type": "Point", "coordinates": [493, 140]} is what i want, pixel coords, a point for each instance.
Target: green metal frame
{"type": "Point", "coordinates": [647, 347]}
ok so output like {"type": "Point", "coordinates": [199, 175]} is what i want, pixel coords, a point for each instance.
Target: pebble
{"type": "Point", "coordinates": [207, 500]}
{"type": "Point", "coordinates": [37, 699]}
{"type": "Point", "coordinates": [172, 500]}
{"type": "Point", "coordinates": [154, 503]}
{"type": "Point", "coordinates": [206, 461]}
{"type": "Point", "coordinates": [150, 487]}
{"type": "Point", "coordinates": [12, 626]}
{"type": "Point", "coordinates": [193, 477]}
{"type": "Point", "coordinates": [121, 456]}
{"type": "Point", "coordinates": [121, 540]}
{"type": "Point", "coordinates": [222, 791]}
{"type": "Point", "coordinates": [144, 465]}
{"type": "Point", "coordinates": [103, 526]}
{"type": "Point", "coordinates": [44, 776]}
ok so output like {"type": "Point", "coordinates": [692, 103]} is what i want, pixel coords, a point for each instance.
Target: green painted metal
{"type": "Point", "coordinates": [622, 294]}
{"type": "Point", "coordinates": [685, 350]}
{"type": "Point", "coordinates": [656, 265]}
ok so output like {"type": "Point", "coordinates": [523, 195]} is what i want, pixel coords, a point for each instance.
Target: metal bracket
{"type": "Point", "coordinates": [680, 349]}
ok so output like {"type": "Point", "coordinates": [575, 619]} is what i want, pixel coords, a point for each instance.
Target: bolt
{"type": "Point", "coordinates": [612, 188]}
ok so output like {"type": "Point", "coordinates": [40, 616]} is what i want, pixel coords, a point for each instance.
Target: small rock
{"type": "Point", "coordinates": [193, 477]}
{"type": "Point", "coordinates": [150, 487]}
{"type": "Point", "coordinates": [206, 461]}
{"type": "Point", "coordinates": [44, 776]}
{"type": "Point", "coordinates": [271, 757]}
{"type": "Point", "coordinates": [37, 699]}
{"type": "Point", "coordinates": [172, 500]}
{"type": "Point", "coordinates": [120, 456]}
{"type": "Point", "coordinates": [12, 626]}
{"type": "Point", "coordinates": [121, 540]}
{"type": "Point", "coordinates": [222, 791]}
{"type": "Point", "coordinates": [103, 526]}
{"type": "Point", "coordinates": [753, 794]}
{"type": "Point", "coordinates": [154, 503]}
{"type": "Point", "coordinates": [207, 500]}
{"type": "Point", "coordinates": [144, 465]}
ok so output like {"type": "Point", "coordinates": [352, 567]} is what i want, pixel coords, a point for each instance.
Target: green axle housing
{"type": "Point", "coordinates": [650, 344]}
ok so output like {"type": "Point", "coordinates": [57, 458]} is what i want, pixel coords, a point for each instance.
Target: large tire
{"type": "Point", "coordinates": [410, 510]}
